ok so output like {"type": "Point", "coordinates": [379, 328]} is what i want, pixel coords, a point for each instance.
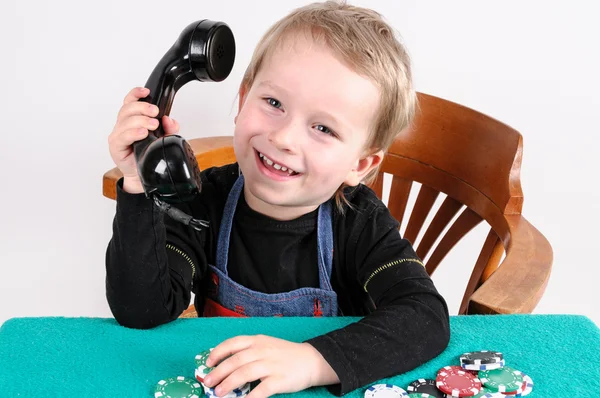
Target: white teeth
{"type": "Point", "coordinates": [275, 165]}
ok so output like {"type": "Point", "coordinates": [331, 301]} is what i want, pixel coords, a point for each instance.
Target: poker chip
{"type": "Point", "coordinates": [503, 380]}
{"type": "Point", "coordinates": [178, 387]}
{"type": "Point", "coordinates": [199, 375]}
{"type": "Point", "coordinates": [528, 386]}
{"type": "Point", "coordinates": [238, 392]}
{"type": "Point", "coordinates": [457, 382]}
{"type": "Point", "coordinates": [487, 393]}
{"type": "Point", "coordinates": [419, 395]}
{"type": "Point", "coordinates": [426, 386]}
{"type": "Point", "coordinates": [481, 357]}
{"type": "Point", "coordinates": [202, 358]}
{"type": "Point", "coordinates": [489, 366]}
{"type": "Point", "coordinates": [521, 389]}
{"type": "Point", "coordinates": [385, 391]}
{"type": "Point", "coordinates": [201, 369]}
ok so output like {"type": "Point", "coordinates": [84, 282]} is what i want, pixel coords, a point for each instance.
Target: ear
{"type": "Point", "coordinates": [363, 167]}
{"type": "Point", "coordinates": [242, 94]}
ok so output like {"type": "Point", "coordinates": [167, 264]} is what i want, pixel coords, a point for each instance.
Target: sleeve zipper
{"type": "Point", "coordinates": [189, 260]}
{"type": "Point", "coordinates": [388, 265]}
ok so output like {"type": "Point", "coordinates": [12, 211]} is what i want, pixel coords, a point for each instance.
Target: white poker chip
{"type": "Point", "coordinates": [385, 391]}
{"type": "Point", "coordinates": [490, 366]}
{"type": "Point", "coordinates": [528, 386]}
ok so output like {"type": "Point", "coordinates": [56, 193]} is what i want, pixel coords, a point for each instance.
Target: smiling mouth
{"type": "Point", "coordinates": [274, 167]}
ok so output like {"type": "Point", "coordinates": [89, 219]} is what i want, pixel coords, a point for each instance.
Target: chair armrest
{"type": "Point", "coordinates": [521, 279]}
{"type": "Point", "coordinates": [209, 151]}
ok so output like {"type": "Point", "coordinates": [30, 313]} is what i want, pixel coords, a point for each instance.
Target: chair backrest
{"type": "Point", "coordinates": [472, 158]}
{"type": "Point", "coordinates": [475, 161]}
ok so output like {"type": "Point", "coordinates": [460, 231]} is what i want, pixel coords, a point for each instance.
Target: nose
{"type": "Point", "coordinates": [285, 137]}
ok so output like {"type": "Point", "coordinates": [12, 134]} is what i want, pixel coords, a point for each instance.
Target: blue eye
{"type": "Point", "coordinates": [324, 129]}
{"type": "Point", "coordinates": [274, 103]}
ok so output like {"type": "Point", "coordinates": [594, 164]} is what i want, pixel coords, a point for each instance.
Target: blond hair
{"type": "Point", "coordinates": [363, 41]}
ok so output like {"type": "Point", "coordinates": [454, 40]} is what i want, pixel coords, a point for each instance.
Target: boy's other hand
{"type": "Point", "coordinates": [281, 366]}
{"type": "Point", "coordinates": [134, 120]}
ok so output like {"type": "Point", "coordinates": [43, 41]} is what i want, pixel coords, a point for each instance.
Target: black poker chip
{"type": "Point", "coordinates": [425, 386]}
{"type": "Point", "coordinates": [481, 358]}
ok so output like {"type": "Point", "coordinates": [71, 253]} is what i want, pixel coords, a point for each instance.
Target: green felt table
{"type": "Point", "coordinates": [96, 357]}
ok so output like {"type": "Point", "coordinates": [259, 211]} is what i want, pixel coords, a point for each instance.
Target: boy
{"type": "Point", "coordinates": [293, 231]}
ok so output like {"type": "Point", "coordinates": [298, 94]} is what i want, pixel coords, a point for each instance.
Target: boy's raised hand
{"type": "Point", "coordinates": [282, 366]}
{"type": "Point", "coordinates": [134, 120]}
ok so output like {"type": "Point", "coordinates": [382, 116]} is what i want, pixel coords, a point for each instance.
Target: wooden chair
{"type": "Point", "coordinates": [475, 160]}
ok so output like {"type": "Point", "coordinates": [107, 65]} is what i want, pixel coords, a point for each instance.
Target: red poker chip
{"type": "Point", "coordinates": [457, 382]}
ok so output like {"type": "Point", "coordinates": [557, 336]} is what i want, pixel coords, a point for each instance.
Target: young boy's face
{"type": "Point", "coordinates": [308, 112]}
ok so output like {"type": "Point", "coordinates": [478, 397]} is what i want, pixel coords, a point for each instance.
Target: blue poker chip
{"type": "Point", "coordinates": [489, 366]}
{"type": "Point", "coordinates": [385, 391]}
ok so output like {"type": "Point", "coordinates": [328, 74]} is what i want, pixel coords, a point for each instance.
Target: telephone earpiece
{"type": "Point", "coordinates": [168, 170]}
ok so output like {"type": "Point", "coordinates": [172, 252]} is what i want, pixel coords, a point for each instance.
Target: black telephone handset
{"type": "Point", "coordinates": [167, 167]}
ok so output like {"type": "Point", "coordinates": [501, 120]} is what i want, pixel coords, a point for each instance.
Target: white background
{"type": "Point", "coordinates": [66, 66]}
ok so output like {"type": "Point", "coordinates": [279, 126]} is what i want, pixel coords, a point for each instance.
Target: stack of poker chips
{"type": "Point", "coordinates": [497, 379]}
{"type": "Point", "coordinates": [202, 371]}
{"type": "Point", "coordinates": [185, 387]}
{"type": "Point", "coordinates": [481, 374]}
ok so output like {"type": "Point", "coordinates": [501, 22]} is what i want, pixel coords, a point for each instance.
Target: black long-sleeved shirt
{"type": "Point", "coordinates": [153, 263]}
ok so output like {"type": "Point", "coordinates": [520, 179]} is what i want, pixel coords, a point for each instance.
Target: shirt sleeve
{"type": "Point", "coordinates": [410, 323]}
{"type": "Point", "coordinates": [152, 262]}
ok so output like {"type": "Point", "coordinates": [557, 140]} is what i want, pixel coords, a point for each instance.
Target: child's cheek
{"type": "Point", "coordinates": [254, 118]}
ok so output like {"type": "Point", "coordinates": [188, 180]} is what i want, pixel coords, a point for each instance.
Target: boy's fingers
{"type": "Point", "coordinates": [136, 122]}
{"type": "Point", "coordinates": [170, 125]}
{"type": "Point", "coordinates": [228, 348]}
{"type": "Point", "coordinates": [126, 138]}
{"type": "Point", "coordinates": [135, 94]}
{"type": "Point", "coordinates": [265, 388]}
{"type": "Point", "coordinates": [242, 375]}
{"type": "Point", "coordinates": [137, 108]}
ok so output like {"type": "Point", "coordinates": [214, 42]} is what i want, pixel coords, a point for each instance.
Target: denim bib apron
{"type": "Point", "coordinates": [226, 297]}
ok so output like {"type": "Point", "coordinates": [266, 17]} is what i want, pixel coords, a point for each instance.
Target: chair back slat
{"type": "Point", "coordinates": [424, 203]}
{"type": "Point", "coordinates": [399, 193]}
{"type": "Point", "coordinates": [444, 215]}
{"type": "Point", "coordinates": [377, 185]}
{"type": "Point", "coordinates": [467, 220]}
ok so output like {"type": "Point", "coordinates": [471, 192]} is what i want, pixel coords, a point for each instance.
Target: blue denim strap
{"type": "Point", "coordinates": [324, 235]}
{"type": "Point", "coordinates": [227, 223]}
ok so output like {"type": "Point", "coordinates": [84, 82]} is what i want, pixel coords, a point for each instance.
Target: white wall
{"type": "Point", "coordinates": [67, 65]}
